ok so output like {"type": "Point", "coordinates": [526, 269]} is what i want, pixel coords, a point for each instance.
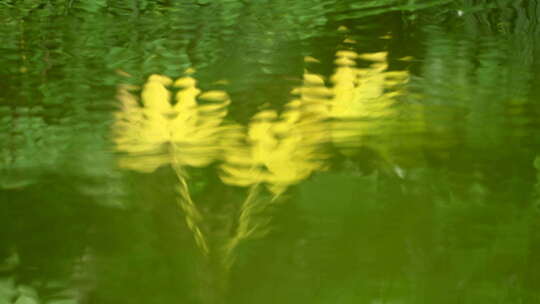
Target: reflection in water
{"type": "Point", "coordinates": [364, 106]}
{"type": "Point", "coordinates": [466, 136]}
{"type": "Point", "coordinates": [283, 149]}
{"type": "Point", "coordinates": [278, 150]}
{"type": "Point", "coordinates": [158, 133]}
{"type": "Point", "coordinates": [275, 150]}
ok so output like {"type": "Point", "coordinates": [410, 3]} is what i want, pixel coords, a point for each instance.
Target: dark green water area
{"type": "Point", "coordinates": [269, 151]}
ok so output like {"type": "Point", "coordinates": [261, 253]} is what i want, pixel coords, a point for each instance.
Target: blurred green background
{"type": "Point", "coordinates": [448, 213]}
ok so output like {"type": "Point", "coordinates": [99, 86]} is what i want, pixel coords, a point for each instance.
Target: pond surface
{"type": "Point", "coordinates": [230, 151]}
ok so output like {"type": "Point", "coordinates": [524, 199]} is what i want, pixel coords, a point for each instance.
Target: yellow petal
{"type": "Point", "coordinates": [347, 54]}
{"type": "Point", "coordinates": [155, 96]}
{"type": "Point", "coordinates": [313, 79]}
{"type": "Point", "coordinates": [344, 61]}
{"type": "Point", "coordinates": [380, 56]}
{"type": "Point", "coordinates": [185, 82]}
{"type": "Point", "coordinates": [215, 96]}
{"type": "Point", "coordinates": [311, 59]}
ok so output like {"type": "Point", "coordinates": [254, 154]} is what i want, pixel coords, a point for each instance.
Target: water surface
{"type": "Point", "coordinates": [235, 151]}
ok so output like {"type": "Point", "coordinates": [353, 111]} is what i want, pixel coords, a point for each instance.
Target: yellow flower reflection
{"type": "Point", "coordinates": [364, 103]}
{"type": "Point", "coordinates": [157, 132]}
{"type": "Point", "coordinates": [277, 154]}
{"type": "Point", "coordinates": [280, 150]}
{"type": "Point", "coordinates": [274, 151]}
{"type": "Point", "coordinates": [277, 150]}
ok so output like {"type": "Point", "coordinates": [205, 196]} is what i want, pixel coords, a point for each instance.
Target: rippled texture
{"type": "Point", "coordinates": [232, 151]}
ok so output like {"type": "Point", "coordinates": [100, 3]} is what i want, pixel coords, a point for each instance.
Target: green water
{"type": "Point", "coordinates": [420, 186]}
